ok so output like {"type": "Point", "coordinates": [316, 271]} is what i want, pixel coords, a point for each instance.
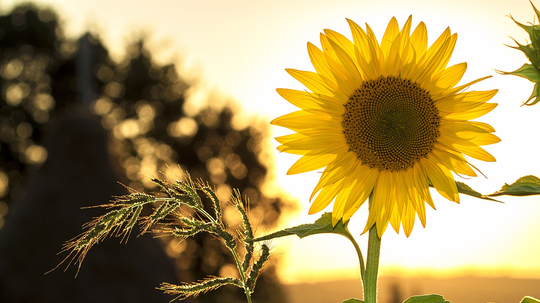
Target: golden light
{"type": "Point", "coordinates": [44, 102]}
{"type": "Point", "coordinates": [248, 64]}
{"type": "Point", "coordinates": [185, 127]}
{"type": "Point", "coordinates": [3, 184]}
{"type": "Point", "coordinates": [35, 154]}
{"type": "Point", "coordinates": [16, 92]}
{"type": "Point", "coordinates": [13, 69]}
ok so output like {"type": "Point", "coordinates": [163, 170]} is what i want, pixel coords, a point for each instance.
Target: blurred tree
{"type": "Point", "coordinates": [143, 106]}
{"type": "Point", "coordinates": [38, 86]}
{"type": "Point", "coordinates": [141, 103]}
{"type": "Point", "coordinates": [28, 53]}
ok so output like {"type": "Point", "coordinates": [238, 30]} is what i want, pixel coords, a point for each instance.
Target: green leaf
{"type": "Point", "coordinates": [433, 298]}
{"type": "Point", "coordinates": [527, 71]}
{"type": "Point", "coordinates": [524, 186]}
{"type": "Point", "coordinates": [528, 299]}
{"type": "Point", "coordinates": [534, 95]}
{"type": "Point", "coordinates": [532, 30]}
{"type": "Point", "coordinates": [535, 38]}
{"type": "Point", "coordinates": [323, 225]}
{"type": "Point", "coordinates": [353, 300]}
{"type": "Point", "coordinates": [530, 51]}
{"type": "Point", "coordinates": [467, 190]}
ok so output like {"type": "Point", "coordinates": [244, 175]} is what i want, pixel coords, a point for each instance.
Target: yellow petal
{"type": "Point", "coordinates": [475, 152]}
{"type": "Point", "coordinates": [341, 199]}
{"type": "Point", "coordinates": [325, 197]}
{"type": "Point", "coordinates": [290, 138]}
{"type": "Point", "coordinates": [420, 180]}
{"type": "Point", "coordinates": [310, 163]}
{"type": "Point", "coordinates": [450, 161]}
{"type": "Point", "coordinates": [355, 78]}
{"type": "Point", "coordinates": [408, 219]}
{"type": "Point", "coordinates": [319, 61]}
{"type": "Point", "coordinates": [441, 178]}
{"type": "Point", "coordinates": [392, 30]}
{"type": "Point", "coordinates": [311, 80]}
{"type": "Point", "coordinates": [457, 89]}
{"type": "Point", "coordinates": [450, 77]}
{"type": "Point", "coordinates": [310, 103]}
{"type": "Point", "coordinates": [383, 197]}
{"type": "Point", "coordinates": [345, 86]}
{"type": "Point", "coordinates": [303, 120]}
{"type": "Point", "coordinates": [435, 60]}
{"type": "Point", "coordinates": [367, 177]}
{"type": "Point", "coordinates": [419, 39]}
{"type": "Point", "coordinates": [406, 30]}
{"type": "Point", "coordinates": [340, 40]}
{"type": "Point", "coordinates": [463, 102]}
{"type": "Point", "coordinates": [313, 146]}
{"type": "Point", "coordinates": [474, 113]}
{"type": "Point", "coordinates": [335, 171]}
{"type": "Point", "coordinates": [316, 138]}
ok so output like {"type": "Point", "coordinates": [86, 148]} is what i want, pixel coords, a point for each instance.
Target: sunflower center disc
{"type": "Point", "coordinates": [390, 123]}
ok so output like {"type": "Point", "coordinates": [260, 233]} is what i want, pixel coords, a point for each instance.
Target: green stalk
{"type": "Point", "coordinates": [372, 266]}
{"type": "Point", "coordinates": [236, 258]}
{"type": "Point", "coordinates": [242, 275]}
{"type": "Point", "coordinates": [358, 253]}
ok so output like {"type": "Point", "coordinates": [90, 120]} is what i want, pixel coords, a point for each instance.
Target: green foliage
{"type": "Point", "coordinates": [433, 298]}
{"type": "Point", "coordinates": [323, 225]}
{"type": "Point", "coordinates": [532, 51]}
{"type": "Point", "coordinates": [177, 211]}
{"type": "Point", "coordinates": [524, 186]}
{"type": "Point", "coordinates": [353, 300]}
{"type": "Point", "coordinates": [467, 190]}
{"type": "Point", "coordinates": [527, 71]}
{"type": "Point", "coordinates": [528, 299]}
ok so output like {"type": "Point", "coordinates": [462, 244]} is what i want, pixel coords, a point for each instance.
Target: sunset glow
{"type": "Point", "coordinates": [239, 50]}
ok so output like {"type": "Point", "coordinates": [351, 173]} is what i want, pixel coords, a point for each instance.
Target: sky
{"type": "Point", "coordinates": [239, 50]}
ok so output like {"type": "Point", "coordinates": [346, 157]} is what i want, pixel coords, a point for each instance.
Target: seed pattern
{"type": "Point", "coordinates": [391, 123]}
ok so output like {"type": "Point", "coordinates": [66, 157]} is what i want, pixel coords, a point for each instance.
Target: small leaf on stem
{"type": "Point", "coordinates": [524, 186]}
{"type": "Point", "coordinates": [323, 225]}
{"type": "Point", "coordinates": [467, 190]}
{"type": "Point", "coordinates": [528, 299]}
{"type": "Point", "coordinates": [433, 298]}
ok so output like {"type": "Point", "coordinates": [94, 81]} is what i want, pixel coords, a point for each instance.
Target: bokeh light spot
{"type": "Point", "coordinates": [4, 182]}
{"type": "Point", "coordinates": [24, 130]}
{"type": "Point", "coordinates": [44, 102]}
{"type": "Point", "coordinates": [128, 128]}
{"type": "Point", "coordinates": [113, 89]}
{"type": "Point", "coordinates": [35, 154]}
{"type": "Point", "coordinates": [16, 92]}
{"type": "Point", "coordinates": [102, 106]}
{"type": "Point", "coordinates": [41, 116]}
{"type": "Point", "coordinates": [185, 127]}
{"type": "Point", "coordinates": [13, 69]}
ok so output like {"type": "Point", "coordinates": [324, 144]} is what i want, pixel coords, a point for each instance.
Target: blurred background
{"type": "Point", "coordinates": [95, 92]}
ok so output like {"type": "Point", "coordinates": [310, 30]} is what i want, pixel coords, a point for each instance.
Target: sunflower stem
{"type": "Point", "coordinates": [372, 266]}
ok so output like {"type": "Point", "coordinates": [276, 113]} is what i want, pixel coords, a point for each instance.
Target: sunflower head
{"type": "Point", "coordinates": [385, 120]}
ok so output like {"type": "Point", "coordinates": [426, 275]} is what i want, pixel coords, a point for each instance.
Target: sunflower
{"type": "Point", "coordinates": [385, 120]}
